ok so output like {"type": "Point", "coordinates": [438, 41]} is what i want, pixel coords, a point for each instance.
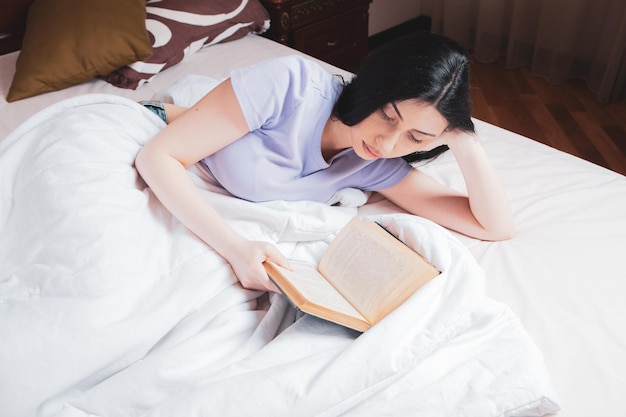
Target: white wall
{"type": "Point", "coordinates": [388, 13]}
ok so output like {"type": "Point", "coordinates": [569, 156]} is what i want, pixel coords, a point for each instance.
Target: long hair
{"type": "Point", "coordinates": [424, 66]}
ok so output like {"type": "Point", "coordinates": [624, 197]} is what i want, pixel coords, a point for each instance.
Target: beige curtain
{"type": "Point", "coordinates": [557, 39]}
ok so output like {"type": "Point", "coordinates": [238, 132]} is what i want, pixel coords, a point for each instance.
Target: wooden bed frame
{"type": "Point", "coordinates": [13, 24]}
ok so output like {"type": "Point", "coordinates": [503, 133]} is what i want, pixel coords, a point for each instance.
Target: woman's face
{"type": "Point", "coordinates": [398, 129]}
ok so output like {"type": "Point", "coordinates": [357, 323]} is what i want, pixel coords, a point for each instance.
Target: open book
{"type": "Point", "coordinates": [364, 274]}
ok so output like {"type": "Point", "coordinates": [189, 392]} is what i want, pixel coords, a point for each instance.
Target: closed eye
{"type": "Point", "coordinates": [412, 137]}
{"type": "Point", "coordinates": [384, 114]}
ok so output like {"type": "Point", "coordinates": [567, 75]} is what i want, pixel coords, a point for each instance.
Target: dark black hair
{"type": "Point", "coordinates": [424, 66]}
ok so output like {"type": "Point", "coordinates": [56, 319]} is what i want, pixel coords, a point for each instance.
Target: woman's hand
{"type": "Point", "coordinates": [454, 138]}
{"type": "Point", "coordinates": [246, 257]}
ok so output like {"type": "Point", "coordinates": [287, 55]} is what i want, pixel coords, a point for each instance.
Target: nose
{"type": "Point", "coordinates": [386, 143]}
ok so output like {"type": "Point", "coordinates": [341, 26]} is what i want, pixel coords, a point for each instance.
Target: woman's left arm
{"type": "Point", "coordinates": [484, 213]}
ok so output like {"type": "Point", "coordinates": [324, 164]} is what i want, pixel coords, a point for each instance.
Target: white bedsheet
{"type": "Point", "coordinates": [109, 307]}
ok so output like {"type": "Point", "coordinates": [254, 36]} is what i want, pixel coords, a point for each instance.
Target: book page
{"type": "Point", "coordinates": [313, 287]}
{"type": "Point", "coordinates": [373, 269]}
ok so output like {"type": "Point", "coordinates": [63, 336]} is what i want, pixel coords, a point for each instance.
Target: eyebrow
{"type": "Point", "coordinates": [426, 133]}
{"type": "Point", "coordinates": [393, 103]}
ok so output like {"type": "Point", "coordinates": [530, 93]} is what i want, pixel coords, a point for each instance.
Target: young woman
{"type": "Point", "coordinates": [287, 129]}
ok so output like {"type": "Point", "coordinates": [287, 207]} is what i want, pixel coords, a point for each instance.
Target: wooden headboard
{"type": "Point", "coordinates": [13, 15]}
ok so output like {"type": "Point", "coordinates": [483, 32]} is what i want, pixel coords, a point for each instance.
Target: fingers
{"type": "Point", "coordinates": [249, 266]}
{"type": "Point", "coordinates": [274, 255]}
{"type": "Point", "coordinates": [256, 279]}
{"type": "Point", "coordinates": [270, 286]}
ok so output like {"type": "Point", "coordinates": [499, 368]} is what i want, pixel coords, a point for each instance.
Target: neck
{"type": "Point", "coordinates": [335, 138]}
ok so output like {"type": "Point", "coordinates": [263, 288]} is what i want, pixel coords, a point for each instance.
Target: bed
{"type": "Point", "coordinates": [109, 307]}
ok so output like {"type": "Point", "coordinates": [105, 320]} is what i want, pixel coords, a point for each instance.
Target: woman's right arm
{"type": "Point", "coordinates": [214, 122]}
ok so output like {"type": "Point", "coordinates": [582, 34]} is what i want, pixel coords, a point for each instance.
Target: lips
{"type": "Point", "coordinates": [369, 151]}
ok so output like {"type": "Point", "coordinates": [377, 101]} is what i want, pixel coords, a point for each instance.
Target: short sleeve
{"type": "Point", "coordinates": [270, 90]}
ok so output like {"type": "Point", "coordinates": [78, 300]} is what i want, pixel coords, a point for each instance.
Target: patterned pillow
{"type": "Point", "coordinates": [179, 28]}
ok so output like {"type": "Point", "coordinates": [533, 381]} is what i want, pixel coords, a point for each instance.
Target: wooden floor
{"type": "Point", "coordinates": [566, 117]}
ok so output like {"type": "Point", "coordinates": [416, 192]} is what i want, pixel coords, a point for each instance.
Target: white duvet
{"type": "Point", "coordinates": [109, 307]}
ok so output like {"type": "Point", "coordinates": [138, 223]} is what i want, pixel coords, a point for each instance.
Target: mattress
{"type": "Point", "coordinates": [562, 275]}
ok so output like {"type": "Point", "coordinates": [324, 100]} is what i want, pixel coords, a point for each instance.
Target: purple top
{"type": "Point", "coordinates": [286, 103]}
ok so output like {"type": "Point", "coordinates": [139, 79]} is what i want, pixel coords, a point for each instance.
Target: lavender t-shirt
{"type": "Point", "coordinates": [286, 103]}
